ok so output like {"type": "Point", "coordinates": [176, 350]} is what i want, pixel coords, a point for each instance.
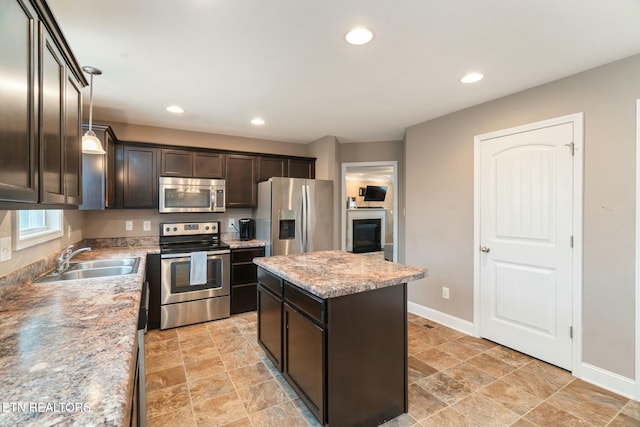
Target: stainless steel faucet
{"type": "Point", "coordinates": [66, 255]}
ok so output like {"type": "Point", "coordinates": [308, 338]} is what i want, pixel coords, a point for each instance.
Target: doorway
{"type": "Point", "coordinates": [528, 222]}
{"type": "Point", "coordinates": [359, 175]}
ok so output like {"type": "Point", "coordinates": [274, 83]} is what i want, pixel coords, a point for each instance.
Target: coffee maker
{"type": "Point", "coordinates": [247, 230]}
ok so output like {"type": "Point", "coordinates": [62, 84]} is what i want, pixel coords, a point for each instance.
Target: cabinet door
{"type": "Point", "coordinates": [302, 168]}
{"type": "Point", "coordinates": [208, 165]}
{"type": "Point", "coordinates": [110, 170]}
{"type": "Point", "coordinates": [177, 163]}
{"type": "Point", "coordinates": [304, 359]}
{"type": "Point", "coordinates": [52, 84]}
{"type": "Point", "coordinates": [140, 177]}
{"type": "Point", "coordinates": [269, 167]}
{"type": "Point", "coordinates": [270, 325]}
{"type": "Point", "coordinates": [73, 142]}
{"type": "Point", "coordinates": [241, 181]}
{"type": "Point", "coordinates": [243, 298]}
{"type": "Point", "coordinates": [18, 156]}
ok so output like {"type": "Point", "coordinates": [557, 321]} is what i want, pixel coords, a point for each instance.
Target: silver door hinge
{"type": "Point", "coordinates": [570, 331]}
{"type": "Point", "coordinates": [571, 147]}
{"type": "Point", "coordinates": [571, 241]}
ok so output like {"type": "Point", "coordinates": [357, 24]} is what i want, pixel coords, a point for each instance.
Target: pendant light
{"type": "Point", "coordinates": [90, 142]}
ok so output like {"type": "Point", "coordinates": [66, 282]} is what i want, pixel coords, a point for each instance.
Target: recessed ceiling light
{"type": "Point", "coordinates": [359, 36]}
{"type": "Point", "coordinates": [257, 121]}
{"type": "Point", "coordinates": [175, 109]}
{"type": "Point", "coordinates": [472, 78]}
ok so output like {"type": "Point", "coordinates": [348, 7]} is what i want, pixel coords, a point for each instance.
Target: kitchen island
{"type": "Point", "coordinates": [335, 324]}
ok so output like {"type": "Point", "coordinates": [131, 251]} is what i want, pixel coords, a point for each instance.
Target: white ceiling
{"type": "Point", "coordinates": [227, 61]}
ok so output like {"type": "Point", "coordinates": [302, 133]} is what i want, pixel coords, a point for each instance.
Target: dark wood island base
{"type": "Point", "coordinates": [345, 356]}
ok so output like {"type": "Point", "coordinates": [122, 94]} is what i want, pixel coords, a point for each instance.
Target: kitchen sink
{"type": "Point", "coordinates": [101, 263]}
{"type": "Point", "coordinates": [94, 269]}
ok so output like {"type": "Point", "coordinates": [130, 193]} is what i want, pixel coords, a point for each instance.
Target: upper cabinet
{"type": "Point", "coordinates": [268, 167]}
{"type": "Point", "coordinates": [192, 164]}
{"type": "Point", "coordinates": [241, 181]}
{"type": "Point", "coordinates": [302, 168]}
{"type": "Point", "coordinates": [40, 137]}
{"type": "Point", "coordinates": [137, 176]}
{"type": "Point", "coordinates": [18, 145]}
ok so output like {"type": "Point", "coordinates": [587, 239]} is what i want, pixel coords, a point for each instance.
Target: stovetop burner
{"type": "Point", "coordinates": [179, 237]}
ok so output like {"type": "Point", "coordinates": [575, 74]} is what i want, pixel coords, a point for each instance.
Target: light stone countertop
{"type": "Point", "coordinates": [330, 274]}
{"type": "Point", "coordinates": [71, 343]}
{"type": "Point", "coordinates": [243, 244]}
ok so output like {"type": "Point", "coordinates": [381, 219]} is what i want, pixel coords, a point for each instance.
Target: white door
{"type": "Point", "coordinates": [526, 202]}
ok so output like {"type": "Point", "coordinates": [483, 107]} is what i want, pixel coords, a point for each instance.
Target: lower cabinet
{"type": "Point", "coordinates": [304, 361]}
{"type": "Point", "coordinates": [270, 325]}
{"type": "Point", "coordinates": [346, 357]}
{"type": "Point", "coordinates": [153, 277]}
{"type": "Point", "coordinates": [244, 279]}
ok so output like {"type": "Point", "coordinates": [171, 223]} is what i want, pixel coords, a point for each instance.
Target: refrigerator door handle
{"type": "Point", "coordinates": [307, 217]}
{"type": "Point", "coordinates": [303, 220]}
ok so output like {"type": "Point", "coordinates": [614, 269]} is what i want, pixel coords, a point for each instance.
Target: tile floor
{"type": "Point", "coordinates": [215, 374]}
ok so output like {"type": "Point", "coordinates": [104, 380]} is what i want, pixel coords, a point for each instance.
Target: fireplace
{"type": "Point", "coordinates": [366, 235]}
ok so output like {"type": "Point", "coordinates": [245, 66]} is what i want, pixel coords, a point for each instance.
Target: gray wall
{"type": "Point", "coordinates": [439, 173]}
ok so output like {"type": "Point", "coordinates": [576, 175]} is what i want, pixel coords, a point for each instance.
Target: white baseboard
{"type": "Point", "coordinates": [608, 380]}
{"type": "Point", "coordinates": [443, 318]}
{"type": "Point", "coordinates": [592, 374]}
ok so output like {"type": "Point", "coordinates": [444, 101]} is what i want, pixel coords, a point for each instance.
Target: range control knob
{"type": "Point", "coordinates": [175, 228]}
{"type": "Point", "coordinates": [167, 229]}
{"type": "Point", "coordinates": [207, 227]}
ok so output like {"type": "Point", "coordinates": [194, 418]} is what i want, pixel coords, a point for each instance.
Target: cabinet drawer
{"type": "Point", "coordinates": [269, 281]}
{"type": "Point", "coordinates": [243, 273]}
{"type": "Point", "coordinates": [311, 305]}
{"type": "Point", "coordinates": [246, 255]}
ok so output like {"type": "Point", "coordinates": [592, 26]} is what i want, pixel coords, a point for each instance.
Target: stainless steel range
{"type": "Point", "coordinates": [195, 274]}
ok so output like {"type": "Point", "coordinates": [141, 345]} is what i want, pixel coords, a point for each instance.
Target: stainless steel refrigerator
{"type": "Point", "coordinates": [295, 215]}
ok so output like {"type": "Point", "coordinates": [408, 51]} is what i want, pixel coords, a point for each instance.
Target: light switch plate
{"type": "Point", "coordinates": [5, 248]}
{"type": "Point", "coordinates": [128, 225]}
{"type": "Point", "coordinates": [146, 225]}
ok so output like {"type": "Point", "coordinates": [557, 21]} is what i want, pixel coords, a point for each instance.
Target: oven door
{"type": "Point", "coordinates": [175, 277]}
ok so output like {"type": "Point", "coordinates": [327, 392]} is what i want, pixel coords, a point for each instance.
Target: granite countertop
{"type": "Point", "coordinates": [330, 274]}
{"type": "Point", "coordinates": [66, 348]}
{"type": "Point", "coordinates": [242, 244]}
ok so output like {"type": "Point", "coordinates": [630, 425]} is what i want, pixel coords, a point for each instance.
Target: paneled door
{"type": "Point", "coordinates": [526, 242]}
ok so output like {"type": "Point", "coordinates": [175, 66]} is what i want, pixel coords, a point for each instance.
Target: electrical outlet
{"type": "Point", "coordinates": [128, 225]}
{"type": "Point", "coordinates": [146, 225]}
{"type": "Point", "coordinates": [5, 248]}
{"type": "Point", "coordinates": [232, 223]}
{"type": "Point", "coordinates": [445, 292]}
{"type": "Point", "coordinates": [68, 231]}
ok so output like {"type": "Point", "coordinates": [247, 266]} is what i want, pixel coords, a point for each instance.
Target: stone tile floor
{"type": "Point", "coordinates": [215, 374]}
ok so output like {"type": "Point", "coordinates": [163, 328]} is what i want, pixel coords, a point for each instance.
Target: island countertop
{"type": "Point", "coordinates": [330, 274]}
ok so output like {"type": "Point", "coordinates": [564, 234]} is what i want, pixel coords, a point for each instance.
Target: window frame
{"type": "Point", "coordinates": [53, 229]}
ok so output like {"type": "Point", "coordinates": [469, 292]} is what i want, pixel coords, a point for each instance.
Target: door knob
{"type": "Point", "coordinates": [485, 249]}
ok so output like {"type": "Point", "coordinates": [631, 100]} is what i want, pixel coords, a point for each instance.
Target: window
{"type": "Point", "coordinates": [33, 227]}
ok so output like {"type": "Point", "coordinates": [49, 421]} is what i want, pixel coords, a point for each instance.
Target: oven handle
{"type": "Point", "coordinates": [188, 254]}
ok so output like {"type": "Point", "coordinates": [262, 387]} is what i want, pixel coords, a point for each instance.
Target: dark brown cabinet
{"type": "Point", "coordinates": [330, 350]}
{"type": "Point", "coordinates": [18, 118]}
{"type": "Point", "coordinates": [40, 139]}
{"type": "Point", "coordinates": [302, 168]}
{"type": "Point", "coordinates": [73, 142]}
{"type": "Point", "coordinates": [208, 165]}
{"type": "Point", "coordinates": [241, 181]}
{"type": "Point", "coordinates": [192, 164]}
{"type": "Point", "coordinates": [137, 185]}
{"type": "Point", "coordinates": [244, 279]}
{"type": "Point", "coordinates": [268, 167]}
{"type": "Point", "coordinates": [304, 358]}
{"type": "Point", "coordinates": [52, 153]}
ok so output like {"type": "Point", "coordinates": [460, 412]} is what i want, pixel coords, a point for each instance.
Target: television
{"type": "Point", "coordinates": [375, 193]}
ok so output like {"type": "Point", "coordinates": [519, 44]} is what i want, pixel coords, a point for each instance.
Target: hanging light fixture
{"type": "Point", "coordinates": [90, 142]}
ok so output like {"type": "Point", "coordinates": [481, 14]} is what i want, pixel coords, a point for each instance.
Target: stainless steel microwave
{"type": "Point", "coordinates": [191, 195]}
